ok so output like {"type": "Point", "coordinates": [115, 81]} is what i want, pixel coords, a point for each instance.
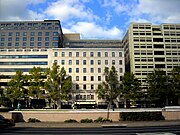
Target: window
{"type": "Point", "coordinates": [47, 34]}
{"type": "Point", "coordinates": [113, 62]}
{"type": "Point", "coordinates": [17, 39]}
{"type": "Point", "coordinates": [84, 62]}
{"type": "Point", "coordinates": [92, 62]}
{"type": "Point", "coordinates": [99, 54]}
{"type": "Point", "coordinates": [70, 62]}
{"type": "Point", "coordinates": [84, 70]}
{"type": "Point", "coordinates": [10, 34]}
{"type": "Point", "coordinates": [55, 38]}
{"type": "Point", "coordinates": [77, 62]}
{"type": "Point", "coordinates": [2, 39]}
{"type": "Point", "coordinates": [92, 70]}
{"type": "Point", "coordinates": [99, 62]}
{"type": "Point", "coordinates": [31, 43]}
{"type": "Point", "coordinates": [55, 44]}
{"type": "Point", "coordinates": [24, 39]}
{"type": "Point", "coordinates": [39, 33]}
{"type": "Point", "coordinates": [84, 54]}
{"type": "Point", "coordinates": [39, 43]}
{"type": "Point", "coordinates": [120, 70]}
{"type": "Point", "coordinates": [62, 62]}
{"type": "Point", "coordinates": [17, 34]}
{"type": "Point", "coordinates": [24, 33]}
{"type": "Point", "coordinates": [106, 62]}
{"type": "Point", "coordinates": [32, 33]}
{"type": "Point", "coordinates": [39, 38]}
{"type": "Point", "coordinates": [91, 54]}
{"type": "Point", "coordinates": [32, 39]}
{"type": "Point", "coordinates": [77, 70]}
{"type": "Point", "coordinates": [120, 54]}
{"type": "Point", "coordinates": [120, 78]}
{"type": "Point", "coordinates": [16, 44]}
{"type": "Point", "coordinates": [92, 87]}
{"type": "Point", "coordinates": [106, 54]}
{"type": "Point", "coordinates": [77, 78]}
{"type": "Point", "coordinates": [55, 54]}
{"type": "Point", "coordinates": [46, 44]}
{"type": "Point", "coordinates": [9, 39]}
{"type": "Point", "coordinates": [55, 61]}
{"type": "Point", "coordinates": [2, 44]}
{"type": "Point", "coordinates": [77, 54]}
{"type": "Point", "coordinates": [113, 54]}
{"type": "Point", "coordinates": [55, 33]}
{"type": "Point", "coordinates": [9, 44]}
{"type": "Point", "coordinates": [120, 62]}
{"type": "Point", "coordinates": [63, 54]}
{"type": "Point", "coordinates": [99, 78]}
{"type": "Point", "coordinates": [84, 86]}
{"type": "Point", "coordinates": [24, 44]}
{"type": "Point", "coordinates": [70, 54]}
{"type": "Point", "coordinates": [84, 78]}
{"type": "Point", "coordinates": [70, 70]}
{"type": "Point", "coordinates": [77, 88]}
{"type": "Point", "coordinates": [99, 70]}
{"type": "Point", "coordinates": [92, 78]}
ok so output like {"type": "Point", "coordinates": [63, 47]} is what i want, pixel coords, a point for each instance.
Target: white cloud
{"type": "Point", "coordinates": [157, 11]}
{"type": "Point", "coordinates": [90, 30]}
{"type": "Point", "coordinates": [17, 10]}
{"type": "Point", "coordinates": [70, 9]}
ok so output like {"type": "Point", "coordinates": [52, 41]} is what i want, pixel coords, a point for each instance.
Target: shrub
{"type": "Point", "coordinates": [86, 120]}
{"type": "Point", "coordinates": [33, 120]}
{"type": "Point", "coordinates": [101, 119]}
{"type": "Point", "coordinates": [141, 116]}
{"type": "Point", "coordinates": [70, 121]}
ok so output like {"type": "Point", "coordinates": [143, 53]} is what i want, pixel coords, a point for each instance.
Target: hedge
{"type": "Point", "coordinates": [141, 116]}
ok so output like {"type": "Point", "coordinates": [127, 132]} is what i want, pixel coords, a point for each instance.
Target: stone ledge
{"type": "Point", "coordinates": [114, 125]}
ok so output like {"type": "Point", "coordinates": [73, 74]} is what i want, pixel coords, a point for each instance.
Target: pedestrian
{"type": "Point", "coordinates": [19, 106]}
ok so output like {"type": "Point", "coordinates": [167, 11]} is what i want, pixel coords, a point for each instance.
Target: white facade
{"type": "Point", "coordinates": [85, 65]}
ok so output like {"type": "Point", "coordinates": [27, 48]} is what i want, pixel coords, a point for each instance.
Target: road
{"type": "Point", "coordinates": [158, 130]}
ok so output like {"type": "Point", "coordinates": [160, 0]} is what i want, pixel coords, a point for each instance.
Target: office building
{"type": "Point", "coordinates": [148, 47]}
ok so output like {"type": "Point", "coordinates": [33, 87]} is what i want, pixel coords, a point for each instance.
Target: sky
{"type": "Point", "coordinates": [93, 19]}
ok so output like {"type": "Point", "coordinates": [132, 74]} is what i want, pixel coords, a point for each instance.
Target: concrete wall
{"type": "Point", "coordinates": [171, 115]}
{"type": "Point", "coordinates": [62, 116]}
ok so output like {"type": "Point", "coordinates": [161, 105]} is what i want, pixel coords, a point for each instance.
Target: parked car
{"type": "Point", "coordinates": [6, 123]}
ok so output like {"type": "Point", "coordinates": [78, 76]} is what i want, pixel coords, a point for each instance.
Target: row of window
{"type": "Point", "coordinates": [91, 62]}
{"type": "Point", "coordinates": [31, 34]}
{"type": "Point", "coordinates": [91, 70]}
{"type": "Point", "coordinates": [32, 39]}
{"type": "Point", "coordinates": [29, 24]}
{"type": "Point", "coordinates": [85, 97]}
{"type": "Point", "coordinates": [15, 69]}
{"type": "Point", "coordinates": [22, 56]}
{"type": "Point", "coordinates": [23, 63]}
{"type": "Point", "coordinates": [31, 44]}
{"type": "Point", "coordinates": [91, 54]}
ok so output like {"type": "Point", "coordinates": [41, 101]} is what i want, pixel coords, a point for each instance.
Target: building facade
{"type": "Point", "coordinates": [41, 43]}
{"type": "Point", "coordinates": [148, 47]}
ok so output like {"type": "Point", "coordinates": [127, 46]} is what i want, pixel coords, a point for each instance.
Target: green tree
{"type": "Point", "coordinates": [175, 84]}
{"type": "Point", "coordinates": [16, 87]}
{"type": "Point", "coordinates": [36, 82]}
{"type": "Point", "coordinates": [109, 89]}
{"type": "Point", "coordinates": [158, 88]}
{"type": "Point", "coordinates": [58, 84]}
{"type": "Point", "coordinates": [131, 88]}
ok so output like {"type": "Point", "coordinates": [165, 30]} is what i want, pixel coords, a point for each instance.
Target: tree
{"type": "Point", "coordinates": [109, 89]}
{"type": "Point", "coordinates": [175, 83]}
{"type": "Point", "coordinates": [35, 82]}
{"type": "Point", "coordinates": [58, 84]}
{"type": "Point", "coordinates": [158, 88]}
{"type": "Point", "coordinates": [16, 87]}
{"type": "Point", "coordinates": [131, 88]}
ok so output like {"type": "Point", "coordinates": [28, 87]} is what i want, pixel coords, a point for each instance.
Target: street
{"type": "Point", "coordinates": [158, 130]}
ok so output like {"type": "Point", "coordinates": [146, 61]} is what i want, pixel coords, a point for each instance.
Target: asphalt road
{"type": "Point", "coordinates": [158, 130]}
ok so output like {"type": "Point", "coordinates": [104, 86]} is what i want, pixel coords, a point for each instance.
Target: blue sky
{"type": "Point", "coordinates": [93, 19]}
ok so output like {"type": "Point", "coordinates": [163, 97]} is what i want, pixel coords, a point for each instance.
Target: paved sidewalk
{"type": "Point", "coordinates": [94, 125]}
